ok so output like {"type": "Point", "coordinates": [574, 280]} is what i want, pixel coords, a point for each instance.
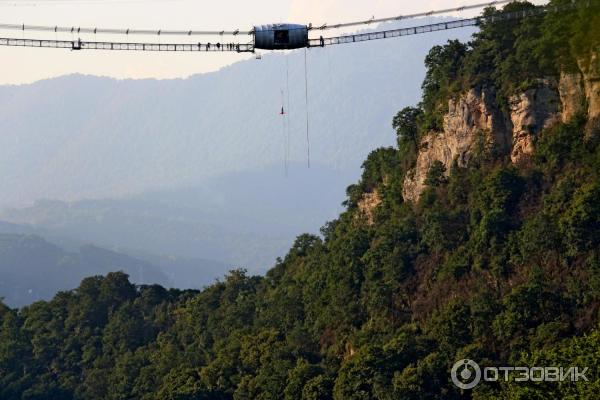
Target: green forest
{"type": "Point", "coordinates": [497, 263]}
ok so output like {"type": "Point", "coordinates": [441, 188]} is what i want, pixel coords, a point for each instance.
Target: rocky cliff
{"type": "Point", "coordinates": [475, 122]}
{"type": "Point", "coordinates": [472, 121]}
{"type": "Point", "coordinates": [367, 205]}
{"type": "Point", "coordinates": [530, 112]}
{"type": "Point", "coordinates": [571, 94]}
{"type": "Point", "coordinates": [590, 70]}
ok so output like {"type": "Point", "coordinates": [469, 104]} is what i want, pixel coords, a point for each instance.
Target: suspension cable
{"type": "Point", "coordinates": [440, 26]}
{"type": "Point", "coordinates": [307, 112]}
{"type": "Point", "coordinates": [289, 112]}
{"type": "Point", "coordinates": [121, 31]}
{"type": "Point", "coordinates": [411, 16]}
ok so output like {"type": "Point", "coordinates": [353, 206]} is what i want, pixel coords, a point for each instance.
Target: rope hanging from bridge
{"type": "Point", "coordinates": [306, 104]}
{"type": "Point", "coordinates": [288, 116]}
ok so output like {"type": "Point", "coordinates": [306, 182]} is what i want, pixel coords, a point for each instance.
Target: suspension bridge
{"type": "Point", "coordinates": [266, 37]}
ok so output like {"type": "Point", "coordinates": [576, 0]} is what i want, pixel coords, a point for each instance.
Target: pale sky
{"type": "Point", "coordinates": [24, 65]}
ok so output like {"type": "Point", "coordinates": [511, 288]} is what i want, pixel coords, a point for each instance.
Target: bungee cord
{"type": "Point", "coordinates": [289, 110]}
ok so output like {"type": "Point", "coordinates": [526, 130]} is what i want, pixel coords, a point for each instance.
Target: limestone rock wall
{"type": "Point", "coordinates": [367, 205]}
{"type": "Point", "coordinates": [590, 70]}
{"type": "Point", "coordinates": [472, 120]}
{"type": "Point", "coordinates": [530, 112]}
{"type": "Point", "coordinates": [572, 96]}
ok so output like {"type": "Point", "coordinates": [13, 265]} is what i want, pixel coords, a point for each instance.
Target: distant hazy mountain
{"type": "Point", "coordinates": [187, 273]}
{"type": "Point", "coordinates": [243, 219]}
{"type": "Point", "coordinates": [32, 268]}
{"type": "Point", "coordinates": [80, 137]}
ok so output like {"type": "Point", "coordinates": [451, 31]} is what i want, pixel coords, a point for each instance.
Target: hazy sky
{"type": "Point", "coordinates": [23, 65]}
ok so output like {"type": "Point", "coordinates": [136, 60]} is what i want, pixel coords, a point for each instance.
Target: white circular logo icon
{"type": "Point", "coordinates": [466, 374]}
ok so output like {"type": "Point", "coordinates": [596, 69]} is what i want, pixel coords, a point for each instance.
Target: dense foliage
{"type": "Point", "coordinates": [511, 55]}
{"type": "Point", "coordinates": [495, 263]}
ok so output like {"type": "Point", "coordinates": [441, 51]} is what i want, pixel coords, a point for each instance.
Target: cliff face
{"type": "Point", "coordinates": [530, 112]}
{"type": "Point", "coordinates": [368, 204]}
{"type": "Point", "coordinates": [474, 121]}
{"type": "Point", "coordinates": [590, 69]}
{"type": "Point", "coordinates": [572, 97]}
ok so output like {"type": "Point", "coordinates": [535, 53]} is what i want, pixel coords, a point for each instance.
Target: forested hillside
{"type": "Point", "coordinates": [491, 255]}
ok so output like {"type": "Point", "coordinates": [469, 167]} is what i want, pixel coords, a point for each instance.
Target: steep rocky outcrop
{"type": "Point", "coordinates": [590, 69]}
{"type": "Point", "coordinates": [530, 112]}
{"type": "Point", "coordinates": [473, 120]}
{"type": "Point", "coordinates": [572, 96]}
{"type": "Point", "coordinates": [367, 205]}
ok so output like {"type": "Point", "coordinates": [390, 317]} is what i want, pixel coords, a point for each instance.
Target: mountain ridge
{"type": "Point", "coordinates": [32, 269]}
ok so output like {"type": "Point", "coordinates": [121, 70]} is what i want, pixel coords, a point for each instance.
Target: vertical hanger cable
{"type": "Point", "coordinates": [306, 101]}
